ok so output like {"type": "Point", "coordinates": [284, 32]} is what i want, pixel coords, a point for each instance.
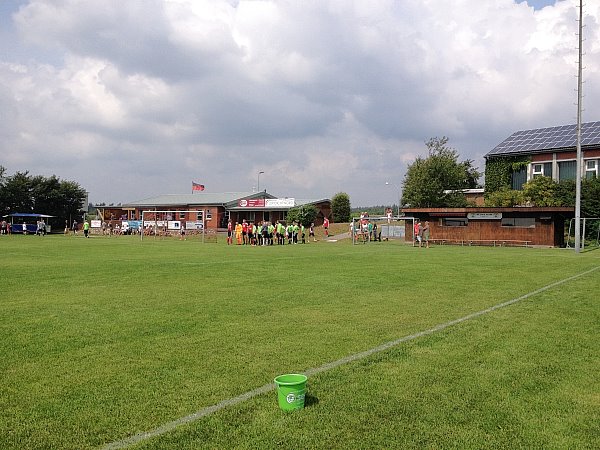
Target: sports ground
{"type": "Point", "coordinates": [121, 343]}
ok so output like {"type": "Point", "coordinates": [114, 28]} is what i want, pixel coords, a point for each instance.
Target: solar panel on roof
{"type": "Point", "coordinates": [545, 139]}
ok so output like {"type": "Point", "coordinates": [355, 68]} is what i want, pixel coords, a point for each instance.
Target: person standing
{"type": "Point", "coordinates": [416, 231]}
{"type": "Point", "coordinates": [295, 230]}
{"type": "Point", "coordinates": [86, 229]}
{"type": "Point", "coordinates": [251, 233]}
{"type": "Point", "coordinates": [238, 233]}
{"type": "Point", "coordinates": [311, 232]}
{"type": "Point", "coordinates": [326, 226]}
{"type": "Point", "coordinates": [244, 232]}
{"type": "Point", "coordinates": [426, 234]}
{"type": "Point", "coordinates": [24, 228]}
{"type": "Point", "coordinates": [280, 234]}
{"type": "Point", "coordinates": [229, 232]}
{"type": "Point", "coordinates": [420, 235]}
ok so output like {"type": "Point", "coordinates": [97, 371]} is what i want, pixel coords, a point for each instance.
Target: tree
{"type": "Point", "coordinates": [590, 198]}
{"type": "Point", "coordinates": [541, 191]}
{"type": "Point", "coordinates": [505, 197]}
{"type": "Point", "coordinates": [305, 214]}
{"type": "Point", "coordinates": [24, 193]}
{"type": "Point", "coordinates": [436, 181]}
{"type": "Point", "coordinates": [340, 207]}
{"type": "Point", "coordinates": [16, 193]}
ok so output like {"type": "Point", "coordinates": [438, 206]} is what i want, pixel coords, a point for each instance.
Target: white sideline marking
{"type": "Point", "coordinates": [169, 426]}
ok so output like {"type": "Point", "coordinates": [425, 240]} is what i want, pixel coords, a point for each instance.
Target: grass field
{"type": "Point", "coordinates": [104, 338]}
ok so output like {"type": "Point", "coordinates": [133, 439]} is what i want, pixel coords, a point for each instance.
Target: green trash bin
{"type": "Point", "coordinates": [291, 390]}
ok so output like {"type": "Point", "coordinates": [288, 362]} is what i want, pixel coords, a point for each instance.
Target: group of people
{"type": "Point", "coordinates": [5, 227]}
{"type": "Point", "coordinates": [421, 233]}
{"type": "Point", "coordinates": [268, 233]}
{"type": "Point", "coordinates": [364, 230]}
{"type": "Point", "coordinates": [40, 229]}
{"type": "Point", "coordinates": [75, 227]}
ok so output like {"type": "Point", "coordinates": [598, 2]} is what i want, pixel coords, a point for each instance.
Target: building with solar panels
{"type": "Point", "coordinates": [524, 155]}
{"type": "Point", "coordinates": [549, 152]}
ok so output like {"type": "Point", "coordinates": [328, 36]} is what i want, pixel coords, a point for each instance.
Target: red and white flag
{"type": "Point", "coordinates": [197, 187]}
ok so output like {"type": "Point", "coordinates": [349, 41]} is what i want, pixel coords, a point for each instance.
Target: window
{"type": "Point", "coordinates": [542, 169]}
{"type": "Point", "coordinates": [567, 170]}
{"type": "Point", "coordinates": [208, 214]}
{"type": "Point", "coordinates": [199, 216]}
{"type": "Point", "coordinates": [519, 222]}
{"type": "Point", "coordinates": [591, 168]}
{"type": "Point", "coordinates": [181, 215]}
{"type": "Point", "coordinates": [518, 179]}
{"type": "Point", "coordinates": [455, 222]}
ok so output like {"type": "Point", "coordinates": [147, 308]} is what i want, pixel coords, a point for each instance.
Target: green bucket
{"type": "Point", "coordinates": [291, 389]}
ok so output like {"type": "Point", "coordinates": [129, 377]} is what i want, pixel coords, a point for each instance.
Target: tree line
{"type": "Point", "coordinates": [25, 193]}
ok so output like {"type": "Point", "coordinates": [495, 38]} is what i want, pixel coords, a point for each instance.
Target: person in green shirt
{"type": "Point", "coordinates": [86, 229]}
{"type": "Point", "coordinates": [280, 232]}
{"type": "Point", "coordinates": [271, 230]}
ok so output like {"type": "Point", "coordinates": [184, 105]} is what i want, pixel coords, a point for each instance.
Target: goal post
{"type": "Point", "coordinates": [589, 232]}
{"type": "Point", "coordinates": [380, 228]}
{"type": "Point", "coordinates": [181, 223]}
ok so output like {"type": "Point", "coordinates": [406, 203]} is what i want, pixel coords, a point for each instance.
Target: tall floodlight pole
{"type": "Point", "coordinates": [579, 165]}
{"type": "Point", "coordinates": [258, 181]}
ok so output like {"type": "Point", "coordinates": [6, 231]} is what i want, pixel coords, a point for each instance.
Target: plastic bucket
{"type": "Point", "coordinates": [291, 389]}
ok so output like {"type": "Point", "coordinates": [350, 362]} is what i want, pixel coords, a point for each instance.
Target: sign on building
{"type": "Point", "coordinates": [484, 216]}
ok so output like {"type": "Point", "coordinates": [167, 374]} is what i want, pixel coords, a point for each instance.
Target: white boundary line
{"type": "Point", "coordinates": [169, 426]}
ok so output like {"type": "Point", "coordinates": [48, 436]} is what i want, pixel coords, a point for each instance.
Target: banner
{"type": "Point", "coordinates": [252, 203]}
{"type": "Point", "coordinates": [268, 203]}
{"type": "Point", "coordinates": [280, 202]}
{"type": "Point", "coordinates": [194, 225]}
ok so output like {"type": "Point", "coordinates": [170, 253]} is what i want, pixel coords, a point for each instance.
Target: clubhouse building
{"type": "Point", "coordinates": [521, 157]}
{"type": "Point", "coordinates": [214, 209]}
{"type": "Point", "coordinates": [499, 227]}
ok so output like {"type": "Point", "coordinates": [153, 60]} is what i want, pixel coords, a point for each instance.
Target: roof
{"type": "Point", "coordinates": [27, 215]}
{"type": "Point", "coordinates": [305, 201]}
{"type": "Point", "coordinates": [460, 212]}
{"type": "Point", "coordinates": [228, 199]}
{"type": "Point", "coordinates": [200, 198]}
{"type": "Point", "coordinates": [541, 140]}
{"type": "Point", "coordinates": [465, 191]}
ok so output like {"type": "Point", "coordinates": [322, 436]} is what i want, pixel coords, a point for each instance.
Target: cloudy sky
{"type": "Point", "coordinates": [135, 98]}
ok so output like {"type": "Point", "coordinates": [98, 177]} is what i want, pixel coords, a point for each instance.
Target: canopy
{"type": "Point", "coordinates": [27, 215]}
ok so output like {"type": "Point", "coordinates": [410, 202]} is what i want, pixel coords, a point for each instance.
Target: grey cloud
{"type": "Point", "coordinates": [321, 95]}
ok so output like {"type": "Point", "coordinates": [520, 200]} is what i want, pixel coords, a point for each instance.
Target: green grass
{"type": "Point", "coordinates": [105, 338]}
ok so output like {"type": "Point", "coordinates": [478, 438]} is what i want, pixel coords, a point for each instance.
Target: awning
{"type": "Point", "coordinates": [27, 215]}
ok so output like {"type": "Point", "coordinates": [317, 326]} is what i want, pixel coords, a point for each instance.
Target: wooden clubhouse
{"type": "Point", "coordinates": [518, 226]}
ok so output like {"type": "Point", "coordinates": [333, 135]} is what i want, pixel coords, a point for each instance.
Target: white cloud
{"type": "Point", "coordinates": [324, 96]}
